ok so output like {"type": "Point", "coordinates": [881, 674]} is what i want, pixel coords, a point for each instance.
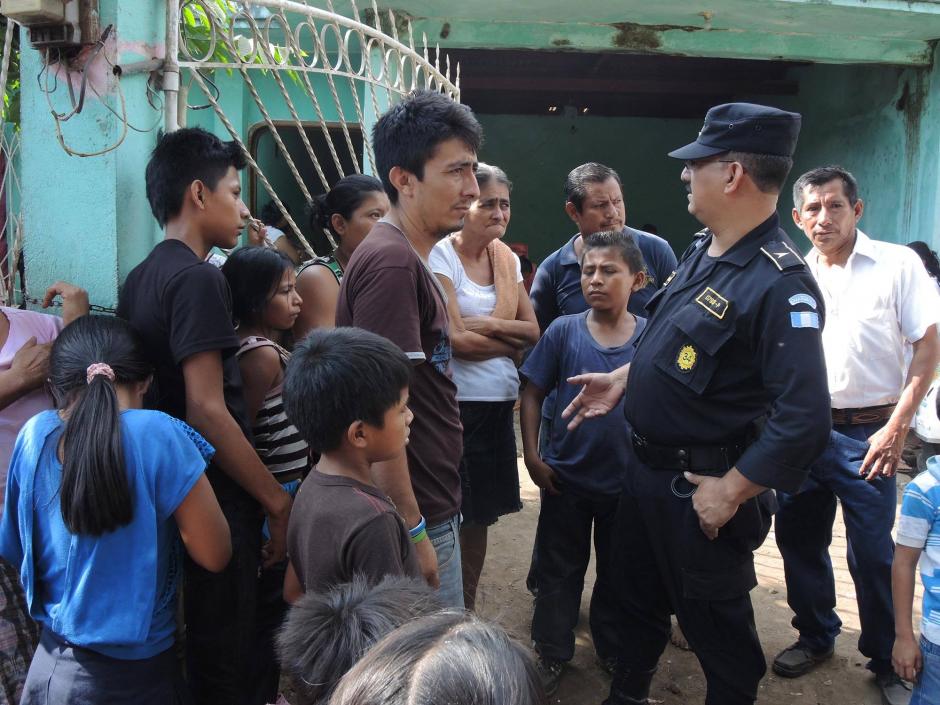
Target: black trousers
{"type": "Point", "coordinates": [667, 565]}
{"type": "Point", "coordinates": [563, 545]}
{"type": "Point", "coordinates": [222, 636]}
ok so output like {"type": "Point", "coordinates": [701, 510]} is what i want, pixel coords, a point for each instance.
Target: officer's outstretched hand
{"type": "Point", "coordinates": [711, 503]}
{"type": "Point", "coordinates": [600, 393]}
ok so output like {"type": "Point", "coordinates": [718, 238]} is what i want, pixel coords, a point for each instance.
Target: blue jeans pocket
{"type": "Point", "coordinates": [927, 688]}
{"type": "Point", "coordinates": [444, 539]}
{"type": "Point", "coordinates": [444, 546]}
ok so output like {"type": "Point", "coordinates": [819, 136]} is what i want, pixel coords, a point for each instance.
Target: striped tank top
{"type": "Point", "coordinates": [277, 441]}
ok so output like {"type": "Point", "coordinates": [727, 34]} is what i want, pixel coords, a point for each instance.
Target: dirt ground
{"type": "Point", "coordinates": [842, 681]}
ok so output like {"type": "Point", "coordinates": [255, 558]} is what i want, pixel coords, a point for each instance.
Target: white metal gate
{"type": "Point", "coordinates": [294, 42]}
{"type": "Point", "coordinates": [11, 221]}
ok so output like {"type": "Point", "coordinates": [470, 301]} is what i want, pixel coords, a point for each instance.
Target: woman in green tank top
{"type": "Point", "coordinates": [347, 212]}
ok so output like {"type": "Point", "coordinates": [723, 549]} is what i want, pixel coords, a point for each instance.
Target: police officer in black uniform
{"type": "Point", "coordinates": [727, 398]}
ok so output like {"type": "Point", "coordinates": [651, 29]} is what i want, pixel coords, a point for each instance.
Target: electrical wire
{"type": "Point", "coordinates": [114, 112]}
{"type": "Point", "coordinates": [79, 103]}
{"type": "Point", "coordinates": [212, 85]}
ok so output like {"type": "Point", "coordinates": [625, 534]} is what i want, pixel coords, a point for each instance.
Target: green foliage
{"type": "Point", "coordinates": [10, 111]}
{"type": "Point", "coordinates": [197, 35]}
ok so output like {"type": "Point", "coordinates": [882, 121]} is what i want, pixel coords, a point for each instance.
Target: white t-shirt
{"type": "Point", "coordinates": [495, 379]}
{"type": "Point", "coordinates": [882, 300]}
{"type": "Point", "coordinates": [272, 235]}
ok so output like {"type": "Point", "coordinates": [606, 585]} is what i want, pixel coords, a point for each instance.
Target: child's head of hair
{"type": "Point", "coordinates": [611, 269]}
{"type": "Point", "coordinates": [339, 377]}
{"type": "Point", "coordinates": [326, 633]}
{"type": "Point", "coordinates": [253, 275]}
{"type": "Point", "coordinates": [271, 214]}
{"type": "Point", "coordinates": [409, 132]}
{"type": "Point", "coordinates": [618, 241]}
{"type": "Point", "coordinates": [450, 657]}
{"type": "Point", "coordinates": [90, 357]}
{"type": "Point", "coordinates": [343, 199]}
{"type": "Point", "coordinates": [182, 157]}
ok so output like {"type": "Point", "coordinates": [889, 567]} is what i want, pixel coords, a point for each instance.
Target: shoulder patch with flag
{"type": "Point", "coordinates": [804, 319]}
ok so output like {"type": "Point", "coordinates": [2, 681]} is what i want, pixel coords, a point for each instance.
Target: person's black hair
{"type": "Point", "coordinates": [340, 376]}
{"type": "Point", "coordinates": [927, 256]}
{"type": "Point", "coordinates": [326, 633]}
{"type": "Point", "coordinates": [767, 171]}
{"type": "Point", "coordinates": [182, 157]}
{"type": "Point", "coordinates": [409, 132]}
{"type": "Point", "coordinates": [620, 241]}
{"type": "Point", "coordinates": [581, 176]}
{"type": "Point", "coordinates": [271, 214]}
{"type": "Point", "coordinates": [487, 172]}
{"type": "Point", "coordinates": [451, 657]}
{"type": "Point", "coordinates": [253, 275]}
{"type": "Point", "coordinates": [94, 495]}
{"type": "Point", "coordinates": [821, 176]}
{"type": "Point", "coordinates": [344, 198]}
{"type": "Point", "coordinates": [525, 265]}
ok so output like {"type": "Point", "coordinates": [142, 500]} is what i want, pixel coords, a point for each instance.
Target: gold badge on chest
{"type": "Point", "coordinates": [686, 358]}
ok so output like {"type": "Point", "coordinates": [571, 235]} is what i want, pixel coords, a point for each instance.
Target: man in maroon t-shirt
{"type": "Point", "coordinates": [426, 154]}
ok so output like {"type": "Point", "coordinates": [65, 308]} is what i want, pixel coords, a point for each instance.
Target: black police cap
{"type": "Point", "coordinates": [744, 127]}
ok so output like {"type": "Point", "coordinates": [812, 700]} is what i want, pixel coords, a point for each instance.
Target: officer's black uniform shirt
{"type": "Point", "coordinates": [731, 340]}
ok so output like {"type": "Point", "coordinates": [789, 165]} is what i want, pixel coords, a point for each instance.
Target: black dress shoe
{"type": "Point", "coordinates": [797, 659]}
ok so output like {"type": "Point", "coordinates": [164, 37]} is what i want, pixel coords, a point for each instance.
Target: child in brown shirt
{"type": "Point", "coordinates": [346, 391]}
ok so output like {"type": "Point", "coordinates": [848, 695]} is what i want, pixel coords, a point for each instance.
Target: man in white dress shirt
{"type": "Point", "coordinates": [877, 298]}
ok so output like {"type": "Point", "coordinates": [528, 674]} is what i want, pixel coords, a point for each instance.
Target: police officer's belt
{"type": "Point", "coordinates": [871, 414]}
{"type": "Point", "coordinates": [699, 459]}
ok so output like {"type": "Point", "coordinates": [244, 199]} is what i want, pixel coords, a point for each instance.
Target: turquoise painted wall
{"type": "Point", "coordinates": [925, 217]}
{"type": "Point", "coordinates": [856, 116]}
{"type": "Point", "coordinates": [87, 219]}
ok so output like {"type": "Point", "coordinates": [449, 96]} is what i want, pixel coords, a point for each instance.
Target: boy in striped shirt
{"type": "Point", "coordinates": [919, 541]}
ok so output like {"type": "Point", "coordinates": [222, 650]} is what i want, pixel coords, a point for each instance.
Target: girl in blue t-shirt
{"type": "Point", "coordinates": [99, 494]}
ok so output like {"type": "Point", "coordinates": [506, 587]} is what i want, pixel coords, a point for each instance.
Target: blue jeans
{"type": "Point", "coordinates": [927, 687]}
{"type": "Point", "coordinates": [804, 532]}
{"type": "Point", "coordinates": [446, 541]}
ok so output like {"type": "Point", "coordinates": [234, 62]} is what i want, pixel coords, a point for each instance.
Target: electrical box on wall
{"type": "Point", "coordinates": [28, 12]}
{"type": "Point", "coordinates": [61, 24]}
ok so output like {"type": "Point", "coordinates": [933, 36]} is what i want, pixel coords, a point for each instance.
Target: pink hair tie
{"type": "Point", "coordinates": [98, 368]}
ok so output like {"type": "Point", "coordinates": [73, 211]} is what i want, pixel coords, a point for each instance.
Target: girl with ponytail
{"type": "Point", "coordinates": [101, 496]}
{"type": "Point", "coordinates": [347, 212]}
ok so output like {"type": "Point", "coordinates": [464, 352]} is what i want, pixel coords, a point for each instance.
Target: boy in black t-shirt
{"type": "Point", "coordinates": [346, 391]}
{"type": "Point", "coordinates": [181, 307]}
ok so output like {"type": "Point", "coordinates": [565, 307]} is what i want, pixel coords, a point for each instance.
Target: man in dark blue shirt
{"type": "Point", "coordinates": [594, 201]}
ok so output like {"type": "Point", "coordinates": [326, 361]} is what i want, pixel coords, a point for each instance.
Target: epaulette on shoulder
{"type": "Point", "coordinates": [782, 255]}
